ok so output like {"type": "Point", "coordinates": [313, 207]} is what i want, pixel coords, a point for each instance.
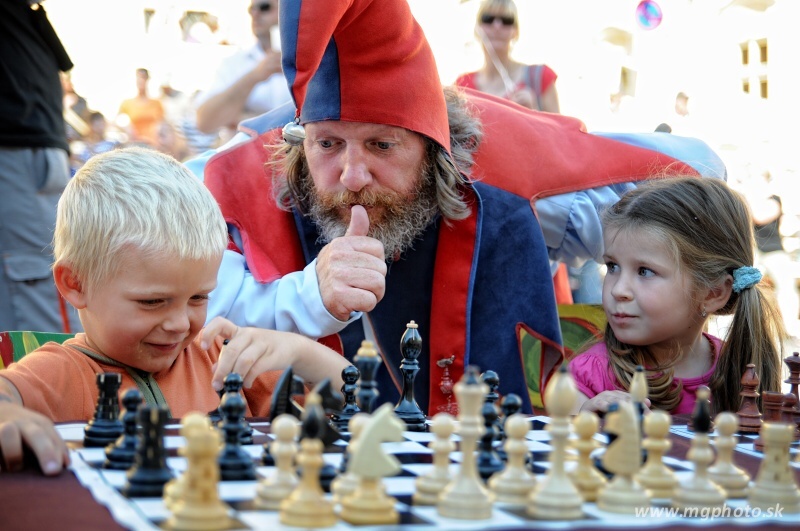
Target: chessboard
{"type": "Point", "coordinates": [415, 457]}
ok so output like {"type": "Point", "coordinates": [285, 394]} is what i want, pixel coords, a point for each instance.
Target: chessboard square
{"type": "Point", "coordinates": [499, 519]}
{"type": "Point", "coordinates": [419, 469]}
{"type": "Point", "coordinates": [538, 447]}
{"type": "Point", "coordinates": [115, 478]}
{"type": "Point", "coordinates": [335, 460]}
{"type": "Point", "coordinates": [237, 491]}
{"type": "Point", "coordinates": [71, 432]}
{"type": "Point", "coordinates": [177, 464]}
{"type": "Point", "coordinates": [153, 508]}
{"type": "Point", "coordinates": [255, 451]}
{"type": "Point", "coordinates": [538, 435]}
{"type": "Point", "coordinates": [93, 456]}
{"type": "Point", "coordinates": [425, 437]}
{"type": "Point", "coordinates": [405, 447]}
{"type": "Point", "coordinates": [174, 441]}
{"type": "Point", "coordinates": [677, 464]}
{"type": "Point", "coordinates": [399, 485]}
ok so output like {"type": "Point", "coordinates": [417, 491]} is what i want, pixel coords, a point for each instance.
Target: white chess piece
{"type": "Point", "coordinates": [585, 475]}
{"type": "Point", "coordinates": [465, 497]}
{"type": "Point", "coordinates": [346, 482]}
{"type": "Point", "coordinates": [556, 497]}
{"type": "Point", "coordinates": [515, 482]}
{"type": "Point", "coordinates": [271, 491]}
{"type": "Point", "coordinates": [775, 484]}
{"type": "Point", "coordinates": [429, 486]}
{"type": "Point", "coordinates": [724, 472]}
{"type": "Point", "coordinates": [655, 476]}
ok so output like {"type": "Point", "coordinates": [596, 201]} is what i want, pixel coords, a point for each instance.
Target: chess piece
{"type": "Point", "coordinates": [429, 486]}
{"type": "Point", "coordinates": [556, 497]}
{"type": "Point", "coordinates": [234, 463]}
{"type": "Point", "coordinates": [446, 386]}
{"type": "Point", "coordinates": [492, 381]}
{"type": "Point", "coordinates": [698, 491]}
{"type": "Point", "coordinates": [793, 363]}
{"type": "Point", "coordinates": [271, 491]}
{"type": "Point", "coordinates": [623, 458]}
{"type": "Point", "coordinates": [488, 462]}
{"type": "Point", "coordinates": [789, 413]}
{"type": "Point", "coordinates": [772, 402]}
{"type": "Point", "coordinates": [515, 482]}
{"type": "Point", "coordinates": [191, 424]}
{"type": "Point", "coordinates": [585, 475]}
{"type": "Point", "coordinates": [198, 506]}
{"type": "Point", "coordinates": [307, 506]}
{"type": "Point", "coordinates": [511, 404]}
{"type": "Point", "coordinates": [214, 415]}
{"type": "Point", "coordinates": [106, 426]}
{"type": "Point", "coordinates": [283, 401]}
{"type": "Point", "coordinates": [341, 419]}
{"type": "Point", "coordinates": [749, 415]}
{"type": "Point", "coordinates": [149, 473]}
{"type": "Point", "coordinates": [121, 454]}
{"type": "Point", "coordinates": [346, 482]}
{"type": "Point", "coordinates": [233, 383]}
{"type": "Point", "coordinates": [775, 485]}
{"type": "Point", "coordinates": [724, 472]}
{"type": "Point", "coordinates": [465, 497]}
{"type": "Point", "coordinates": [369, 504]}
{"type": "Point", "coordinates": [407, 408]}
{"type": "Point", "coordinates": [655, 476]}
{"type": "Point", "coordinates": [367, 361]}
{"type": "Point", "coordinates": [331, 402]}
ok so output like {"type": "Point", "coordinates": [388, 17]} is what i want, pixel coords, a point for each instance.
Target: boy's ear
{"type": "Point", "coordinates": [718, 296]}
{"type": "Point", "coordinates": [69, 285]}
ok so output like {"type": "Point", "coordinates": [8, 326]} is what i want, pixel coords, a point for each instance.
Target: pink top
{"type": "Point", "coordinates": [593, 375]}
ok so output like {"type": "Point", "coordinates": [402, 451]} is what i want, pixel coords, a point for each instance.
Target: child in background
{"type": "Point", "coordinates": [138, 243]}
{"type": "Point", "coordinates": [678, 250]}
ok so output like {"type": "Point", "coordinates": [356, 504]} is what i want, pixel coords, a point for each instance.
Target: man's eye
{"type": "Point", "coordinates": [383, 145]}
{"type": "Point", "coordinates": [325, 143]}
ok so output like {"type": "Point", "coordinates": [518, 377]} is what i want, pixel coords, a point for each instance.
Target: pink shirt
{"type": "Point", "coordinates": [593, 375]}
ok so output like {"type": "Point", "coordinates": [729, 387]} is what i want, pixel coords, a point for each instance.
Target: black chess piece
{"type": "Point", "coordinates": [283, 401]}
{"type": "Point", "coordinates": [407, 408]}
{"type": "Point", "coordinates": [234, 463]}
{"type": "Point", "coordinates": [367, 361]}
{"type": "Point", "coordinates": [149, 472]}
{"type": "Point", "coordinates": [487, 461]}
{"type": "Point", "coordinates": [331, 403]}
{"type": "Point", "coordinates": [511, 404]}
{"type": "Point", "coordinates": [214, 415]}
{"type": "Point", "coordinates": [610, 438]}
{"type": "Point", "coordinates": [492, 380]}
{"type": "Point", "coordinates": [233, 384]}
{"type": "Point", "coordinates": [341, 419]}
{"type": "Point", "coordinates": [121, 454]}
{"type": "Point", "coordinates": [106, 427]}
{"type": "Point", "coordinates": [313, 426]}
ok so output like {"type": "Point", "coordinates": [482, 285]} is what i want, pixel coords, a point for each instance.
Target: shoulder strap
{"type": "Point", "coordinates": [534, 81]}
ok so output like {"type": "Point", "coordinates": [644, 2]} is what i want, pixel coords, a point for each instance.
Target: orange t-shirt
{"type": "Point", "coordinates": [145, 114]}
{"type": "Point", "coordinates": [60, 382]}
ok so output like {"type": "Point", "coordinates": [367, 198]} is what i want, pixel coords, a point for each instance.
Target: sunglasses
{"type": "Point", "coordinates": [489, 19]}
{"type": "Point", "coordinates": [261, 8]}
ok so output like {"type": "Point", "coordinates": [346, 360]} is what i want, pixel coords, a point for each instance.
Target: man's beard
{"type": "Point", "coordinates": [403, 217]}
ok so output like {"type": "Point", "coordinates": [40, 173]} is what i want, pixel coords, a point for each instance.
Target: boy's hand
{"type": "Point", "coordinates": [20, 427]}
{"type": "Point", "coordinates": [253, 351]}
{"type": "Point", "coordinates": [602, 400]}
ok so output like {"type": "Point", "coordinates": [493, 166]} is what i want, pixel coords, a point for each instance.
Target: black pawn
{"type": "Point", "coordinates": [314, 426]}
{"type": "Point", "coordinates": [234, 463]}
{"type": "Point", "coordinates": [407, 408]}
{"type": "Point", "coordinates": [105, 427]}
{"type": "Point", "coordinates": [510, 405]}
{"type": "Point", "coordinates": [214, 415]}
{"type": "Point", "coordinates": [121, 454]}
{"type": "Point", "coordinates": [367, 361]}
{"type": "Point", "coordinates": [233, 384]}
{"type": "Point", "coordinates": [492, 380]}
{"type": "Point", "coordinates": [488, 462]}
{"type": "Point", "coordinates": [341, 419]}
{"type": "Point", "coordinates": [149, 472]}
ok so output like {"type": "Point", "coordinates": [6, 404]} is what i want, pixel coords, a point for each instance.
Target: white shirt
{"type": "Point", "coordinates": [264, 97]}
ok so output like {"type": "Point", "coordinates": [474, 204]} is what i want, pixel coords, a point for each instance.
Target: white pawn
{"type": "Point", "coordinates": [515, 482]}
{"type": "Point", "coordinates": [197, 505]}
{"type": "Point", "coordinates": [280, 484]}
{"type": "Point", "coordinates": [556, 497]}
{"type": "Point", "coordinates": [655, 476]}
{"type": "Point", "coordinates": [191, 423]}
{"type": "Point", "coordinates": [585, 475]}
{"type": "Point", "coordinates": [775, 484]}
{"type": "Point", "coordinates": [724, 472]}
{"type": "Point", "coordinates": [430, 485]}
{"type": "Point", "coordinates": [346, 483]}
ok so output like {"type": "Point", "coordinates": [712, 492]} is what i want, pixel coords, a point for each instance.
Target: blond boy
{"type": "Point", "coordinates": [138, 244]}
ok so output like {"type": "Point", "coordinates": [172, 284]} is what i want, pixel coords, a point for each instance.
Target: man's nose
{"type": "Point", "coordinates": [355, 169]}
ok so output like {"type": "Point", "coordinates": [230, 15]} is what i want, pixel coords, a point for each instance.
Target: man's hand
{"type": "Point", "coordinates": [269, 65]}
{"type": "Point", "coordinates": [20, 427]}
{"type": "Point", "coordinates": [352, 269]}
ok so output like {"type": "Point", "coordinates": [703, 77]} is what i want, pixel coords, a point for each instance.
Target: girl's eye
{"type": "Point", "coordinates": [646, 272]}
{"type": "Point", "coordinates": [151, 302]}
{"type": "Point", "coordinates": [611, 267]}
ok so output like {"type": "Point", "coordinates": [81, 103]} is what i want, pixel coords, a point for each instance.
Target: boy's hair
{"type": "Point", "coordinates": [708, 228]}
{"type": "Point", "coordinates": [134, 197]}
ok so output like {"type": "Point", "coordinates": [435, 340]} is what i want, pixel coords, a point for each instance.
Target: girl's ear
{"type": "Point", "coordinates": [69, 285]}
{"type": "Point", "coordinates": [718, 296]}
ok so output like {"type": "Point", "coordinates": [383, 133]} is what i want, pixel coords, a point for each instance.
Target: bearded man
{"type": "Point", "coordinates": [390, 199]}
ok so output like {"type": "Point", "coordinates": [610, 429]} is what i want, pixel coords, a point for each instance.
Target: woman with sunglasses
{"type": "Point", "coordinates": [532, 86]}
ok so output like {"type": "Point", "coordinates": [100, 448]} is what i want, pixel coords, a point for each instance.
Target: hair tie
{"type": "Point", "coordinates": [745, 277]}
